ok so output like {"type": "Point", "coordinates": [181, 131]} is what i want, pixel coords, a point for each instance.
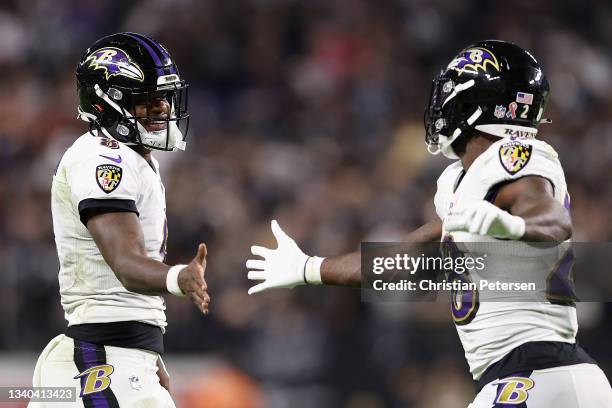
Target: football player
{"type": "Point", "coordinates": [483, 113]}
{"type": "Point", "coordinates": [109, 220]}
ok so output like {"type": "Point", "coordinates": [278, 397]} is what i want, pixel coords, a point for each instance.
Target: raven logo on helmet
{"type": "Point", "coordinates": [473, 59]}
{"type": "Point", "coordinates": [115, 62]}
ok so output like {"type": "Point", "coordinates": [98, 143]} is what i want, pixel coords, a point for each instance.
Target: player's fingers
{"type": "Point", "coordinates": [278, 232]}
{"type": "Point", "coordinates": [202, 291]}
{"type": "Point", "coordinates": [256, 264]}
{"type": "Point", "coordinates": [487, 222]}
{"type": "Point", "coordinates": [197, 285]}
{"type": "Point", "coordinates": [258, 288]}
{"type": "Point", "coordinates": [458, 210]}
{"type": "Point", "coordinates": [454, 223]}
{"type": "Point", "coordinates": [476, 221]}
{"type": "Point", "coordinates": [201, 255]}
{"type": "Point", "coordinates": [197, 279]}
{"type": "Point", "coordinates": [261, 251]}
{"type": "Point", "coordinates": [256, 275]}
{"type": "Point", "coordinates": [196, 298]}
{"type": "Point", "coordinates": [206, 304]}
{"type": "Point", "coordinates": [201, 303]}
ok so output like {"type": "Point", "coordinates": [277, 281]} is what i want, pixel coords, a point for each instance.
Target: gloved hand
{"type": "Point", "coordinates": [483, 218]}
{"type": "Point", "coordinates": [284, 267]}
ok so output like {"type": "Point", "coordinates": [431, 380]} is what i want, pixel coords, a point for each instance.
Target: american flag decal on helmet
{"type": "Point", "coordinates": [523, 97]}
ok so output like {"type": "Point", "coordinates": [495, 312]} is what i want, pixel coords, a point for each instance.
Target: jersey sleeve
{"type": "Point", "coordinates": [101, 184]}
{"type": "Point", "coordinates": [509, 160]}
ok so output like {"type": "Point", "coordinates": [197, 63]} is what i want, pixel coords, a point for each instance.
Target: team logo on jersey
{"type": "Point", "coordinates": [97, 379]}
{"type": "Point", "coordinates": [108, 177]}
{"type": "Point", "coordinates": [474, 59]}
{"type": "Point", "coordinates": [110, 143]}
{"type": "Point", "coordinates": [114, 62]}
{"type": "Point", "coordinates": [513, 390]}
{"type": "Point", "coordinates": [514, 156]}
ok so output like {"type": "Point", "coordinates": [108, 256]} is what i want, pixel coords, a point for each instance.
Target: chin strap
{"type": "Point", "coordinates": [84, 116]}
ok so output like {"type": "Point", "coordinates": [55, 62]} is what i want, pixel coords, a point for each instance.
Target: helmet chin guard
{"type": "Point", "coordinates": [166, 139]}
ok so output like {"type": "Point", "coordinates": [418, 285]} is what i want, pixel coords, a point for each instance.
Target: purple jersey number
{"type": "Point", "coordinates": [464, 304]}
{"type": "Point", "coordinates": [560, 288]}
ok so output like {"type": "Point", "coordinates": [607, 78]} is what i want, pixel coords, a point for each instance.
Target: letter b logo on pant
{"type": "Point", "coordinates": [96, 379]}
{"type": "Point", "coordinates": [513, 390]}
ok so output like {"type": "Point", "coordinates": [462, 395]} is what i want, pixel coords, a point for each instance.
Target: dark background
{"type": "Point", "coordinates": [309, 112]}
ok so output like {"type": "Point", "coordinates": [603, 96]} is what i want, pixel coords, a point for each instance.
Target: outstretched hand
{"type": "Point", "coordinates": [282, 267]}
{"type": "Point", "coordinates": [191, 280]}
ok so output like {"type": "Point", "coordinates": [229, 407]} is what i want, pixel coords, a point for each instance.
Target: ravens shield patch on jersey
{"type": "Point", "coordinates": [514, 156]}
{"type": "Point", "coordinates": [108, 177]}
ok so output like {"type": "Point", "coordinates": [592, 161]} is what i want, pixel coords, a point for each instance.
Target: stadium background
{"type": "Point", "coordinates": [309, 112]}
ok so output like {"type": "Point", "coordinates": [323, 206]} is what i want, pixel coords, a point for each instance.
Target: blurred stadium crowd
{"type": "Point", "coordinates": [309, 112]}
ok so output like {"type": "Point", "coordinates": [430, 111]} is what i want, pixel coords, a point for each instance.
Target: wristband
{"type": "Point", "coordinates": [312, 270]}
{"type": "Point", "coordinates": [172, 280]}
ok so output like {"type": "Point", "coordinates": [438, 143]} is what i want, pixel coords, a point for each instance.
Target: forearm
{"type": "Point", "coordinates": [345, 270]}
{"type": "Point", "coordinates": [119, 238]}
{"type": "Point", "coordinates": [546, 222]}
{"type": "Point", "coordinates": [141, 274]}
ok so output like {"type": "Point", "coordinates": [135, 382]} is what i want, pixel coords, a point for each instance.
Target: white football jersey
{"type": "Point", "coordinates": [95, 169]}
{"type": "Point", "coordinates": [489, 330]}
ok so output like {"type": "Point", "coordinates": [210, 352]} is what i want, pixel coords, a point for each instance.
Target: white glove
{"type": "Point", "coordinates": [284, 267]}
{"type": "Point", "coordinates": [483, 218]}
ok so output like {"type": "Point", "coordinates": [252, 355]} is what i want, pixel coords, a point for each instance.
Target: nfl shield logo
{"type": "Point", "coordinates": [500, 111]}
{"type": "Point", "coordinates": [108, 177]}
{"type": "Point", "coordinates": [514, 156]}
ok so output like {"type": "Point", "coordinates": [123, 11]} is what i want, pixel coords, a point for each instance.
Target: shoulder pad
{"type": "Point", "coordinates": [511, 159]}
